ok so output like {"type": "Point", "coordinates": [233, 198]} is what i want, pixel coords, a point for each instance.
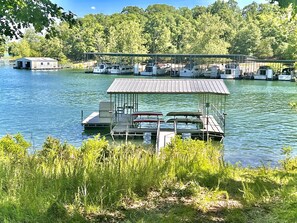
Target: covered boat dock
{"type": "Point", "coordinates": [203, 120]}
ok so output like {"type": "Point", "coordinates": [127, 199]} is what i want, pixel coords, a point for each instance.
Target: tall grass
{"type": "Point", "coordinates": [64, 183]}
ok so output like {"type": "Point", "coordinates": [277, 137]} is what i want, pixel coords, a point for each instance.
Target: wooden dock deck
{"type": "Point", "coordinates": [123, 127]}
{"type": "Point", "coordinates": [210, 127]}
{"type": "Point", "coordinates": [95, 121]}
{"type": "Point", "coordinates": [92, 121]}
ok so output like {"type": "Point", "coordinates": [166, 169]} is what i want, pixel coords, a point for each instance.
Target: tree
{"type": "Point", "coordinates": [264, 49]}
{"type": "Point", "coordinates": [160, 28]}
{"type": "Point", "coordinates": [123, 38]}
{"type": "Point", "coordinates": [247, 40]}
{"type": "Point", "coordinates": [28, 46]}
{"type": "Point", "coordinates": [53, 48]}
{"type": "Point", "coordinates": [132, 10]}
{"type": "Point", "coordinates": [20, 49]}
{"type": "Point", "coordinates": [291, 51]}
{"type": "Point", "coordinates": [183, 34]}
{"type": "Point", "coordinates": [250, 11]}
{"type": "Point", "coordinates": [2, 49]}
{"type": "Point", "coordinates": [229, 13]}
{"type": "Point", "coordinates": [208, 36]}
{"type": "Point", "coordinates": [160, 8]}
{"type": "Point", "coordinates": [20, 14]}
{"type": "Point", "coordinates": [198, 11]}
{"type": "Point", "coordinates": [72, 40]}
{"type": "Point", "coordinates": [286, 3]}
{"type": "Point", "coordinates": [158, 33]}
{"type": "Point", "coordinates": [275, 25]}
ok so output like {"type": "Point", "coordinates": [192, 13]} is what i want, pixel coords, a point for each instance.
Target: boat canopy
{"type": "Point", "coordinates": [184, 113]}
{"type": "Point", "coordinates": [168, 86]}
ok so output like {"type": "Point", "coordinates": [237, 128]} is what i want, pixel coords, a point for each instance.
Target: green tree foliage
{"type": "Point", "coordinates": [133, 10]}
{"type": "Point", "coordinates": [229, 13]}
{"type": "Point", "coordinates": [125, 34]}
{"type": "Point", "coordinates": [13, 148]}
{"type": "Point", "coordinates": [264, 49]}
{"type": "Point", "coordinates": [2, 49]}
{"type": "Point", "coordinates": [20, 14]}
{"type": "Point", "coordinates": [246, 40]}
{"type": "Point", "coordinates": [198, 11]}
{"type": "Point", "coordinates": [286, 3]}
{"type": "Point", "coordinates": [159, 28]}
{"type": "Point", "coordinates": [274, 24]}
{"type": "Point", "coordinates": [262, 30]}
{"type": "Point", "coordinates": [3, 46]}
{"type": "Point", "coordinates": [20, 49]}
{"type": "Point", "coordinates": [208, 36]}
{"type": "Point", "coordinates": [182, 33]}
{"type": "Point", "coordinates": [160, 8]}
{"type": "Point", "coordinates": [250, 12]}
{"type": "Point", "coordinates": [291, 50]}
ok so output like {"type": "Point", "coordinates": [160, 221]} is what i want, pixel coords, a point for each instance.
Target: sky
{"type": "Point", "coordinates": [107, 7]}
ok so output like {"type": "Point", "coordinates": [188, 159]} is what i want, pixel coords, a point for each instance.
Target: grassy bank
{"type": "Point", "coordinates": [98, 182]}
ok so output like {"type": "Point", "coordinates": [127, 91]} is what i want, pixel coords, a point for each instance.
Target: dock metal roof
{"type": "Point", "coordinates": [237, 57]}
{"type": "Point", "coordinates": [38, 59]}
{"type": "Point", "coordinates": [168, 86]}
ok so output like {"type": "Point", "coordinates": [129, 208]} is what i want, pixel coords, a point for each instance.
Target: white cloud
{"type": "Point", "coordinates": [93, 7]}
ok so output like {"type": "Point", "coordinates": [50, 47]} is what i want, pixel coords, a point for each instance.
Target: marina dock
{"type": "Point", "coordinates": [228, 66]}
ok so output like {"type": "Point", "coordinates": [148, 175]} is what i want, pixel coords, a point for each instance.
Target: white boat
{"type": "Point", "coordinates": [287, 74]}
{"type": "Point", "coordinates": [138, 68]}
{"type": "Point", "coordinates": [152, 69]}
{"type": "Point", "coordinates": [102, 68]}
{"type": "Point", "coordinates": [189, 71]}
{"type": "Point", "coordinates": [121, 69]}
{"type": "Point", "coordinates": [211, 72]}
{"type": "Point", "coordinates": [264, 73]}
{"type": "Point", "coordinates": [232, 71]}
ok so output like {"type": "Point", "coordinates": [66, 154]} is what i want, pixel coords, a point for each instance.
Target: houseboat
{"type": "Point", "coordinates": [287, 74]}
{"type": "Point", "coordinates": [232, 71]}
{"type": "Point", "coordinates": [264, 73]}
{"type": "Point", "coordinates": [189, 71]}
{"type": "Point", "coordinates": [102, 68]}
{"type": "Point", "coordinates": [153, 69]}
{"type": "Point", "coordinates": [211, 72]}
{"type": "Point", "coordinates": [121, 69]}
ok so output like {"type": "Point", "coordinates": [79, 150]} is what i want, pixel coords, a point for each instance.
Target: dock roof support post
{"type": "Point", "coordinates": [111, 111]}
{"type": "Point", "coordinates": [207, 104]}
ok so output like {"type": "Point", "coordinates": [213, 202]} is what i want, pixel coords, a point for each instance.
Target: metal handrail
{"type": "Point", "coordinates": [157, 137]}
{"type": "Point", "coordinates": [218, 115]}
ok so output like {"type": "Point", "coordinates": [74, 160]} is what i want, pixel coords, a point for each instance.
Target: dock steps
{"type": "Point", "coordinates": [164, 138]}
{"type": "Point", "coordinates": [210, 124]}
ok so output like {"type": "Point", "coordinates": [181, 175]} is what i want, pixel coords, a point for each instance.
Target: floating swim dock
{"type": "Point", "coordinates": [204, 121]}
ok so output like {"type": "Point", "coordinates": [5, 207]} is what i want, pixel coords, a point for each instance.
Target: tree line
{"type": "Point", "coordinates": [261, 30]}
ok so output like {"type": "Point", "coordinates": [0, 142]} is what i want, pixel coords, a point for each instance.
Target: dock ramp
{"type": "Point", "coordinates": [163, 137]}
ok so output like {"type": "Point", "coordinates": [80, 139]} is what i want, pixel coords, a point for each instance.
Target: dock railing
{"type": "Point", "coordinates": [157, 138]}
{"type": "Point", "coordinates": [219, 116]}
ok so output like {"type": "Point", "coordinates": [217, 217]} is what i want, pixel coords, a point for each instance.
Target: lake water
{"type": "Point", "coordinates": [40, 103]}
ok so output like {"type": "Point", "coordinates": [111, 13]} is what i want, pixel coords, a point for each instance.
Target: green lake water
{"type": "Point", "coordinates": [40, 103]}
